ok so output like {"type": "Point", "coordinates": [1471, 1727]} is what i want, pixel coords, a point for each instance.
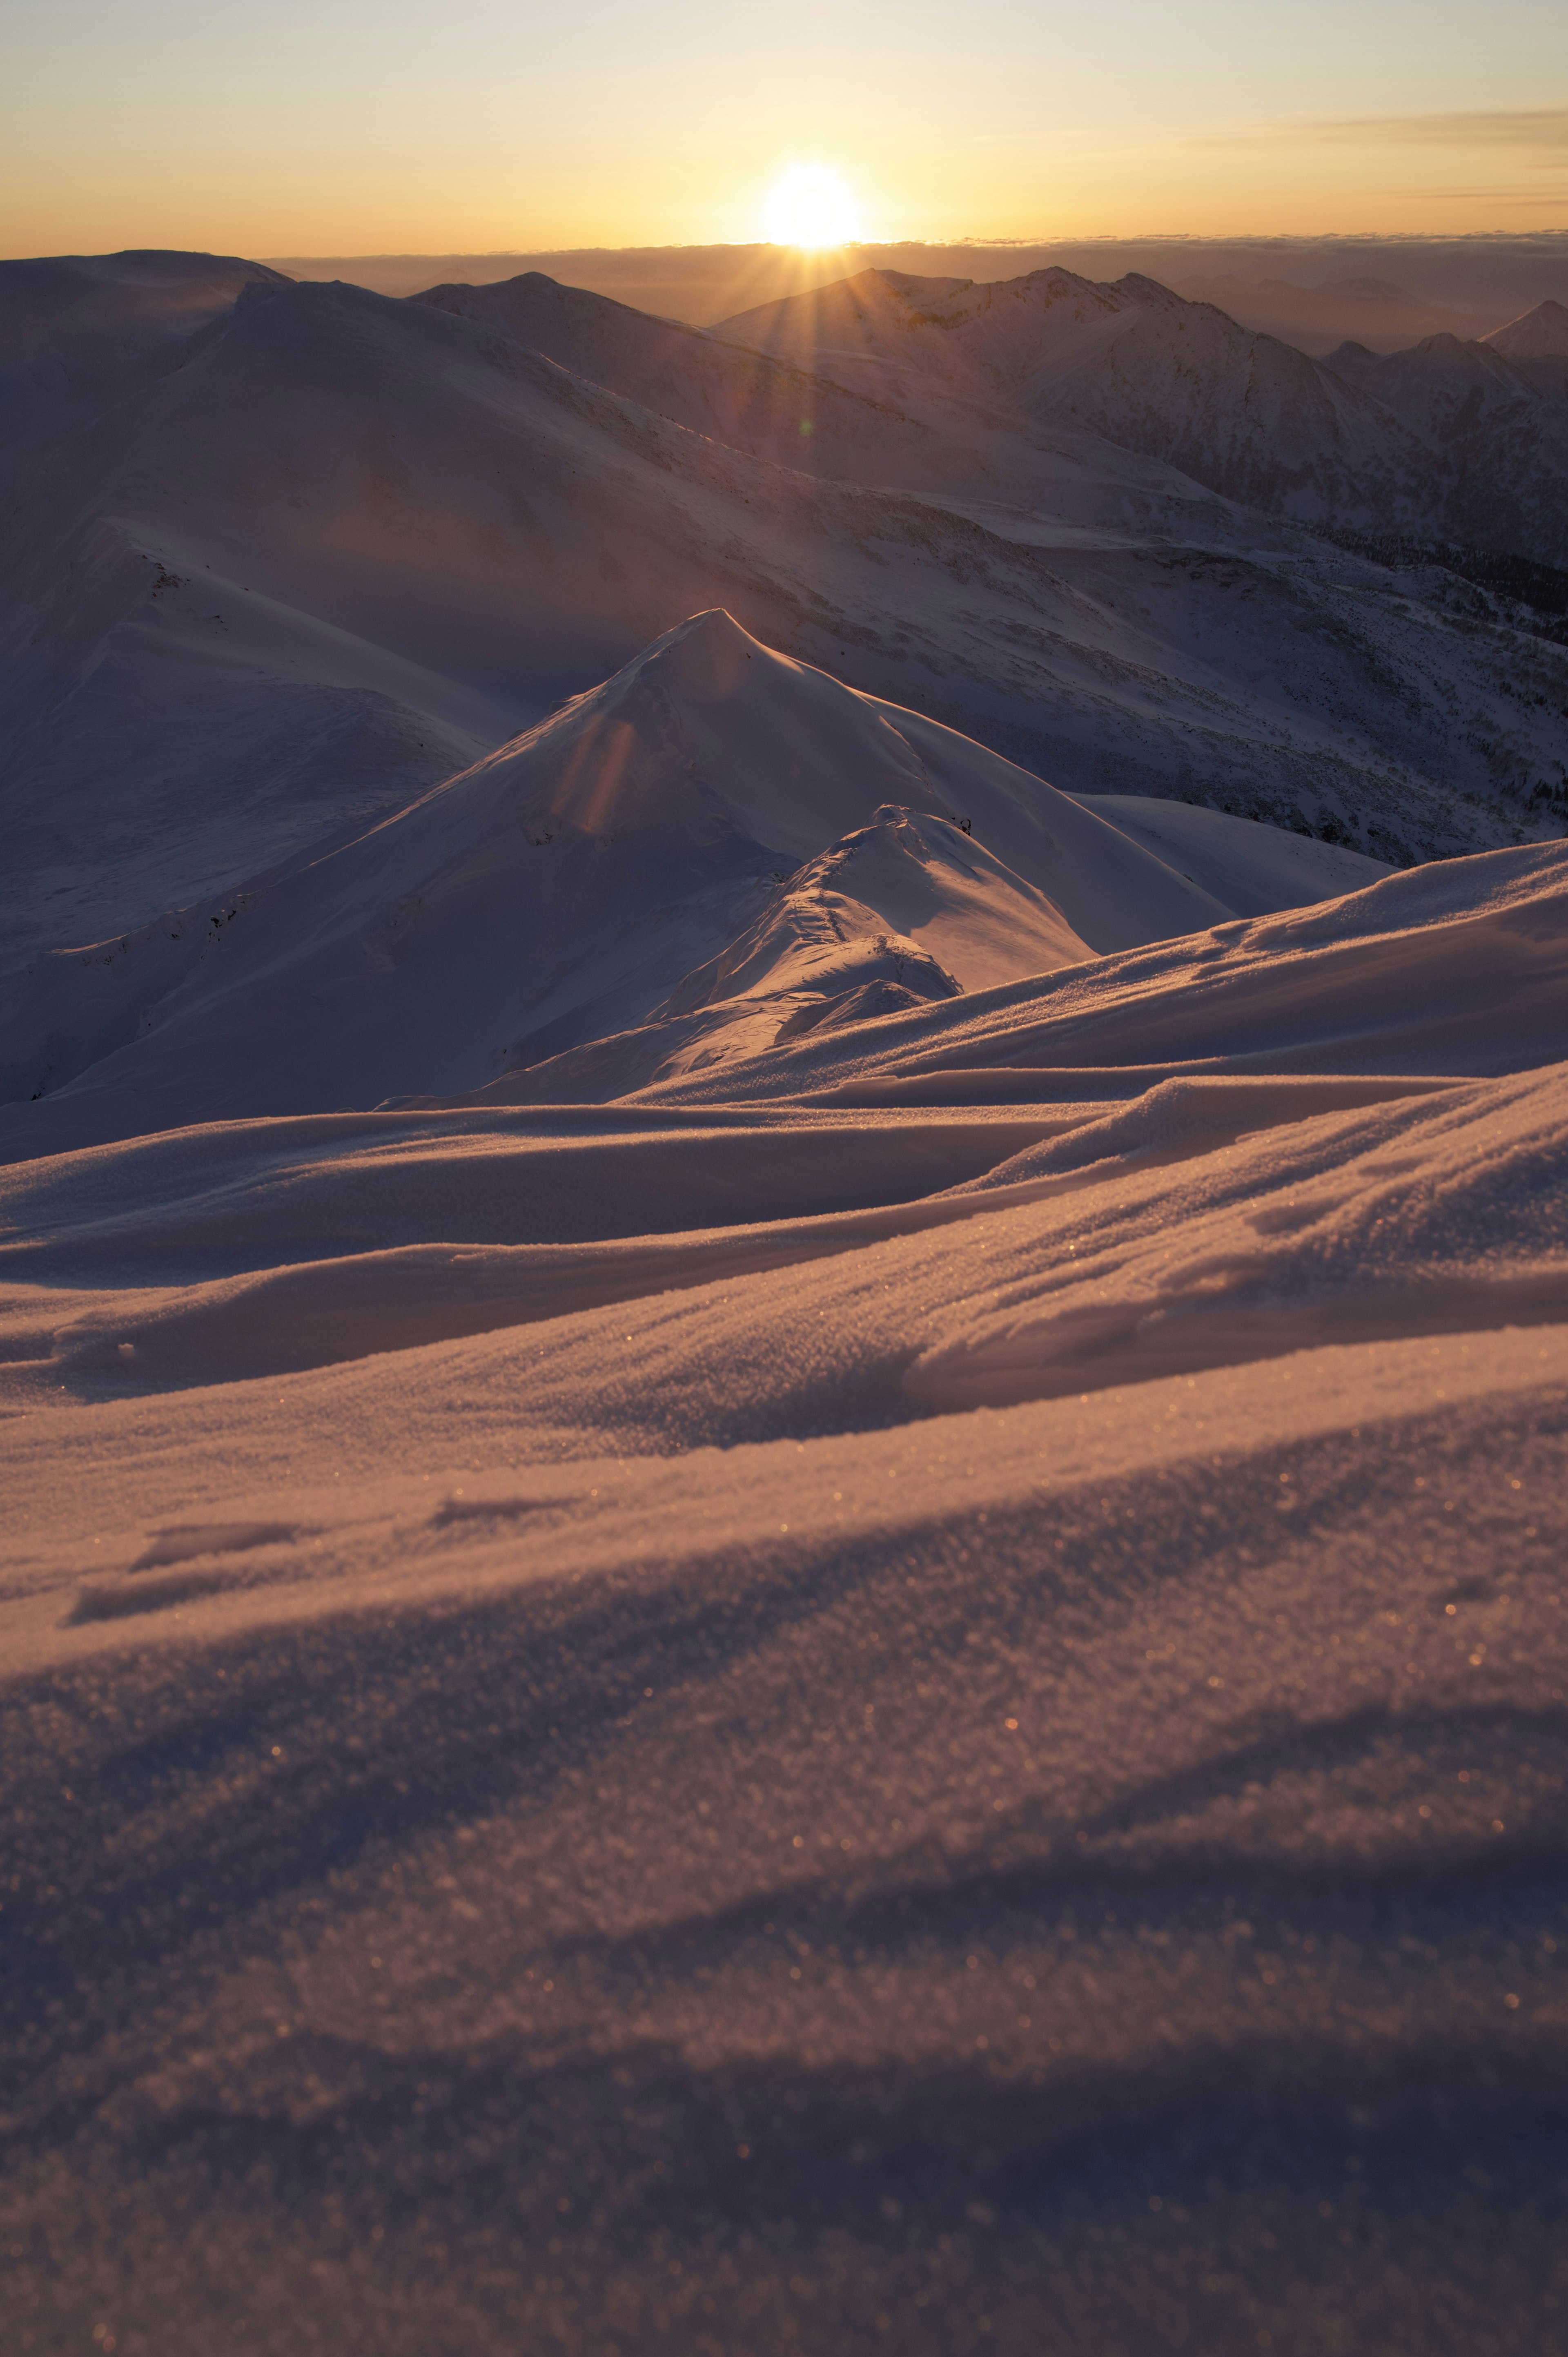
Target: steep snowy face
{"type": "Point", "coordinates": [1440, 385]}
{"type": "Point", "coordinates": [768, 408]}
{"type": "Point", "coordinates": [1536, 348]}
{"type": "Point", "coordinates": [1538, 335]}
{"type": "Point", "coordinates": [1349, 442]}
{"type": "Point", "coordinates": [560, 890]}
{"type": "Point", "coordinates": [1495, 416]}
{"type": "Point", "coordinates": [1250, 417]}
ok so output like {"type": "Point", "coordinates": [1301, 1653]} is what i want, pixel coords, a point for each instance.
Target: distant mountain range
{"type": "Point", "coordinates": [1475, 282]}
{"type": "Point", "coordinates": [278, 559]}
{"type": "Point", "coordinates": [1243, 413]}
{"type": "Point", "coordinates": [1367, 310]}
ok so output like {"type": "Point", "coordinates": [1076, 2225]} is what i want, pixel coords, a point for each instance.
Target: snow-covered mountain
{"type": "Point", "coordinates": [1495, 414]}
{"type": "Point", "coordinates": [718, 847]}
{"type": "Point", "coordinates": [1251, 417]}
{"type": "Point", "coordinates": [1341, 442]}
{"type": "Point", "coordinates": [81, 333]}
{"type": "Point", "coordinates": [1536, 344]}
{"type": "Point", "coordinates": [784, 1517]}
{"type": "Point", "coordinates": [768, 408]}
{"type": "Point", "coordinates": [278, 571]}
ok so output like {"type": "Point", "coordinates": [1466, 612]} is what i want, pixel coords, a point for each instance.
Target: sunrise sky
{"type": "Point", "coordinates": [374, 125]}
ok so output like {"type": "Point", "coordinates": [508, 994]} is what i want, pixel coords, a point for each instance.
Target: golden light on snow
{"type": "Point", "coordinates": [811, 207]}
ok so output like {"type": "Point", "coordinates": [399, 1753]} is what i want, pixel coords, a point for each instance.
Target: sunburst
{"type": "Point", "coordinates": [811, 207]}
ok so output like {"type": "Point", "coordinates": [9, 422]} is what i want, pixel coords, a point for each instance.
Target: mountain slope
{"type": "Point", "coordinates": [1537, 345]}
{"type": "Point", "coordinates": [1250, 417]}
{"type": "Point", "coordinates": [344, 545]}
{"type": "Point", "coordinates": [1341, 444]}
{"type": "Point", "coordinates": [770, 409]}
{"type": "Point", "coordinates": [717, 849]}
{"type": "Point", "coordinates": [562, 889]}
{"type": "Point", "coordinates": [78, 331]}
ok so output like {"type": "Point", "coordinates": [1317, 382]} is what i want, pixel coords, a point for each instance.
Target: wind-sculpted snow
{"type": "Point", "coordinates": [663, 1825]}
{"type": "Point", "coordinates": [784, 1540]}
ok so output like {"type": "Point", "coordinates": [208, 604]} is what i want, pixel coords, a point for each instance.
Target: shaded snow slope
{"type": "Point", "coordinates": [817, 1724]}
{"type": "Point", "coordinates": [1350, 442]}
{"type": "Point", "coordinates": [768, 408]}
{"type": "Point", "coordinates": [1252, 869]}
{"type": "Point", "coordinates": [331, 548]}
{"type": "Point", "coordinates": [718, 849]}
{"type": "Point", "coordinates": [80, 331]}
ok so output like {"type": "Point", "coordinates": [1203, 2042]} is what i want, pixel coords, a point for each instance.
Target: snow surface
{"type": "Point", "coordinates": [908, 1681]}
{"type": "Point", "coordinates": [642, 860]}
{"type": "Point", "coordinates": [1242, 413]}
{"type": "Point", "coordinates": [784, 1517]}
{"type": "Point", "coordinates": [276, 558]}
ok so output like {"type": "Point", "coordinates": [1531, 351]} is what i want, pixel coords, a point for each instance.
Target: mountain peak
{"type": "Point", "coordinates": [706, 654]}
{"type": "Point", "coordinates": [1538, 335]}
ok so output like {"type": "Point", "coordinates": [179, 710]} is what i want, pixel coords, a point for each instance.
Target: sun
{"type": "Point", "coordinates": [811, 207]}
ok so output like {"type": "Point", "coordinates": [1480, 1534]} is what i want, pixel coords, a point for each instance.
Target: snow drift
{"type": "Point", "coordinates": [865, 1702]}
{"type": "Point", "coordinates": [871, 1645]}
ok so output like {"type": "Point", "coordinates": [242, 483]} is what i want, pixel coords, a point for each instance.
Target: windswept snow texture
{"type": "Point", "coordinates": [784, 1517]}
{"type": "Point", "coordinates": [877, 1664]}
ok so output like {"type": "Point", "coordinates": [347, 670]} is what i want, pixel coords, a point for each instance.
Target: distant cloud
{"type": "Point", "coordinates": [1543, 129]}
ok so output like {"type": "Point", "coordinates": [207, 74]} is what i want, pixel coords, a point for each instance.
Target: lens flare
{"type": "Point", "coordinates": [811, 207]}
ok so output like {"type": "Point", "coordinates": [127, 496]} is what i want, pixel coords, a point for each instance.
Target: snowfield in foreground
{"type": "Point", "coordinates": [904, 1688]}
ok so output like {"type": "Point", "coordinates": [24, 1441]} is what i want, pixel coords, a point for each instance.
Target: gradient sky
{"type": "Point", "coordinates": [344, 126]}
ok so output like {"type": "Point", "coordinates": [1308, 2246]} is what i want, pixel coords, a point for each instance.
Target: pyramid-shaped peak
{"type": "Point", "coordinates": [715, 626]}
{"type": "Point", "coordinates": [706, 654]}
{"type": "Point", "coordinates": [1538, 335]}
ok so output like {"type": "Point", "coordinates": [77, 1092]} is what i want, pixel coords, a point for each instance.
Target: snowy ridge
{"type": "Point", "coordinates": [784, 1519]}
{"type": "Point", "coordinates": [305, 556]}
{"type": "Point", "coordinates": [1356, 441]}
{"type": "Point", "coordinates": [717, 840]}
{"type": "Point", "coordinates": [544, 1575]}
